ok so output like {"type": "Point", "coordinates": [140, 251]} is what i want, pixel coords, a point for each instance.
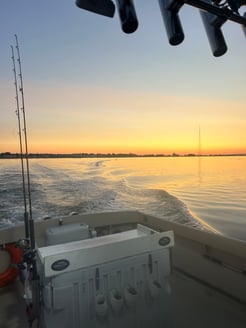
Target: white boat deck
{"type": "Point", "coordinates": [197, 305]}
{"type": "Point", "coordinates": [194, 305]}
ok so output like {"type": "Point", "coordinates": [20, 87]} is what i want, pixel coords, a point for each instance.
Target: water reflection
{"type": "Point", "coordinates": [199, 170]}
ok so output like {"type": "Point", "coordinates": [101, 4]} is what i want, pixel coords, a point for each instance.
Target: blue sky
{"type": "Point", "coordinates": [90, 87]}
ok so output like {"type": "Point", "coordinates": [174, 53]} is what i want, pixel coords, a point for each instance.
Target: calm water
{"type": "Point", "coordinates": [205, 192]}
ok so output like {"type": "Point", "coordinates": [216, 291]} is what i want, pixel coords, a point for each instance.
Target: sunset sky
{"type": "Point", "coordinates": [91, 88]}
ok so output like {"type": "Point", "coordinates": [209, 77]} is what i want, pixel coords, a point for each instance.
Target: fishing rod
{"type": "Point", "coordinates": [26, 155]}
{"type": "Point", "coordinates": [29, 266]}
{"type": "Point", "coordinates": [17, 111]}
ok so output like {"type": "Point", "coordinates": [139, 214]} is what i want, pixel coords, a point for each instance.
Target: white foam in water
{"type": "Point", "coordinates": [58, 191]}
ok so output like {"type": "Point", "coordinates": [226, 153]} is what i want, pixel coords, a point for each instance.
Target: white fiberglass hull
{"type": "Point", "coordinates": [208, 280]}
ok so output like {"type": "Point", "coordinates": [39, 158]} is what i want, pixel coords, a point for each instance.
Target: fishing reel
{"type": "Point", "coordinates": [29, 279]}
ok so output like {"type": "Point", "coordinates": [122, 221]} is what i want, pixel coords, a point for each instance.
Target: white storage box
{"type": "Point", "coordinates": [66, 233]}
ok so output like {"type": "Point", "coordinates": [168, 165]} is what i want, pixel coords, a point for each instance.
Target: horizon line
{"type": "Point", "coordinates": [112, 154]}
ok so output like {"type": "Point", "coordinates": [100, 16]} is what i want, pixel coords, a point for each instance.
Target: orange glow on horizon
{"type": "Point", "coordinates": [123, 121]}
{"type": "Point", "coordinates": [69, 148]}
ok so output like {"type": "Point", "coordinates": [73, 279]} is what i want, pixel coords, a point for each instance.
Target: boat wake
{"type": "Point", "coordinates": [57, 191]}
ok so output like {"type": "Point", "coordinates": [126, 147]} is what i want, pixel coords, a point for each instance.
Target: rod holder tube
{"type": "Point", "coordinates": [172, 23]}
{"type": "Point", "coordinates": [214, 34]}
{"type": "Point", "coordinates": [244, 26]}
{"type": "Point", "coordinates": [128, 16]}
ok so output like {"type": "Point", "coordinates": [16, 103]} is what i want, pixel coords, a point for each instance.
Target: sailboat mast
{"type": "Point", "coordinates": [199, 141]}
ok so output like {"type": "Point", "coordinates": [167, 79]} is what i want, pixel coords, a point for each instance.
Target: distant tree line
{"type": "Point", "coordinates": [101, 155]}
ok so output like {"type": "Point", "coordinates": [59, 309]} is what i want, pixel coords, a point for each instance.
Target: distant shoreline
{"type": "Point", "coordinates": [8, 155]}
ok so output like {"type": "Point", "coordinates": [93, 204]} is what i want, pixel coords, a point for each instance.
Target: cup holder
{"type": "Point", "coordinates": [154, 288]}
{"type": "Point", "coordinates": [101, 305]}
{"type": "Point", "coordinates": [131, 295]}
{"type": "Point", "coordinates": [116, 300]}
